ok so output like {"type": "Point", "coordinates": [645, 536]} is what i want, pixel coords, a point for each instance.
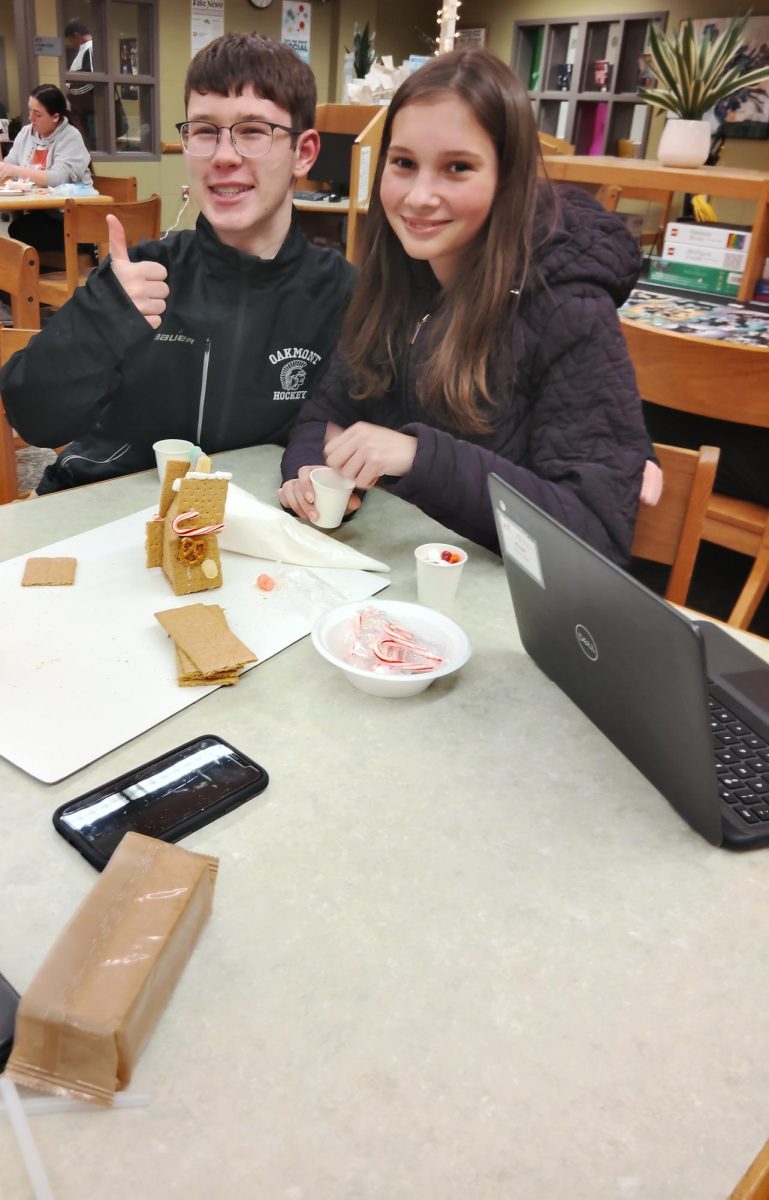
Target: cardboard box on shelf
{"type": "Point", "coordinates": [693, 277]}
{"type": "Point", "coordinates": [704, 256]}
{"type": "Point", "coordinates": [717, 237]}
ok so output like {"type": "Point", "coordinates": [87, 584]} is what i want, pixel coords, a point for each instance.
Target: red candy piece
{"type": "Point", "coordinates": [450, 557]}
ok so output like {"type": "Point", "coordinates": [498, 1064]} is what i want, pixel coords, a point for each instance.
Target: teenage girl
{"type": "Point", "coordinates": [48, 151]}
{"type": "Point", "coordinates": [483, 333]}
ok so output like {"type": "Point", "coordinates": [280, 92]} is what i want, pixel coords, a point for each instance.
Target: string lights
{"type": "Point", "coordinates": [448, 17]}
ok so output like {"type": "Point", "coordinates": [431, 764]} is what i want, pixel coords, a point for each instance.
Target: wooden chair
{"type": "Point", "coordinates": [122, 190]}
{"type": "Point", "coordinates": [671, 531]}
{"type": "Point", "coordinates": [11, 340]}
{"type": "Point", "coordinates": [754, 1184]}
{"type": "Point", "coordinates": [727, 381]}
{"type": "Point", "coordinates": [87, 223]}
{"type": "Point", "coordinates": [19, 273]}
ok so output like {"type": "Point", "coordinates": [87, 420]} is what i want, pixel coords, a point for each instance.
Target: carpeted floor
{"type": "Point", "coordinates": [30, 464]}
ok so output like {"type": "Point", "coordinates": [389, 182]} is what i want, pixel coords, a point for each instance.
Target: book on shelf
{"type": "Point", "coordinates": [536, 60]}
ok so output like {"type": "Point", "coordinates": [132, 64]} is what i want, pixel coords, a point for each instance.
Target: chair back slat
{"type": "Point", "coordinates": [19, 275]}
{"type": "Point", "coordinates": [87, 224]}
{"type": "Point", "coordinates": [122, 189]}
{"type": "Point", "coordinates": [671, 531]}
{"type": "Point", "coordinates": [11, 340]}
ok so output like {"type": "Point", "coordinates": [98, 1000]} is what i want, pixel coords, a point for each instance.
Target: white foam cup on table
{"type": "Point", "coordinates": [176, 449]}
{"type": "Point", "coordinates": [437, 579]}
{"type": "Point", "coordinates": [332, 493]}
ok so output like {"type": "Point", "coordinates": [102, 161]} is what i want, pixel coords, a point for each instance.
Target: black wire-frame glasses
{"type": "Point", "coordinates": [251, 139]}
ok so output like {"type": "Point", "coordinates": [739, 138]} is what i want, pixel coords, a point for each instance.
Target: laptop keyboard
{"type": "Point", "coordinates": [742, 764]}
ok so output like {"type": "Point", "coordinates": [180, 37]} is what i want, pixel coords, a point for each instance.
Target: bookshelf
{"type": "Point", "coordinates": [582, 75]}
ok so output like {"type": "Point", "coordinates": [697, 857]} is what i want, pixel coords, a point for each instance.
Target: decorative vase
{"type": "Point", "coordinates": [684, 143]}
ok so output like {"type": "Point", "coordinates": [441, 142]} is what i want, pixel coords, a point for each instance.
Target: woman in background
{"type": "Point", "coordinates": [48, 151]}
{"type": "Point", "coordinates": [483, 334]}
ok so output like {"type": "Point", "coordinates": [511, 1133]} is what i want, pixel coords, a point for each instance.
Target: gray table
{"type": "Point", "coordinates": [461, 949]}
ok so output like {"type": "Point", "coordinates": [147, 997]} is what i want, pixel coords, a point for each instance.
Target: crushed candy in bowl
{"type": "Point", "coordinates": [390, 647]}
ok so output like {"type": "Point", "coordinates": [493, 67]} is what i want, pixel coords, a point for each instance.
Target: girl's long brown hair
{"type": "Point", "coordinates": [383, 313]}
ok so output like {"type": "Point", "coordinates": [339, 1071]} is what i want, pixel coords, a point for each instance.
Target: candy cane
{"type": "Point", "coordinates": [192, 530]}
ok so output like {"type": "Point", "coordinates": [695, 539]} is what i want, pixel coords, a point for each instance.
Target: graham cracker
{"type": "Point", "coordinates": [153, 544]}
{"type": "Point", "coordinates": [49, 572]}
{"type": "Point", "coordinates": [202, 633]}
{"type": "Point", "coordinates": [175, 469]}
{"type": "Point", "coordinates": [188, 675]}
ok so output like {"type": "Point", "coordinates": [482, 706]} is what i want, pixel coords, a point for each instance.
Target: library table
{"type": "Point", "coordinates": [44, 199]}
{"type": "Point", "coordinates": [460, 947]}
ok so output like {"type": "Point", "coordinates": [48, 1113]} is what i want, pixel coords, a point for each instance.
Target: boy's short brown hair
{"type": "Point", "coordinates": [236, 60]}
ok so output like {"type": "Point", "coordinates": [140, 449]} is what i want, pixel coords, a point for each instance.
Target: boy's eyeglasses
{"type": "Point", "coordinates": [251, 139]}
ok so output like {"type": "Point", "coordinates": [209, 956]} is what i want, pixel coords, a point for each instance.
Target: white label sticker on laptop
{"type": "Point", "coordinates": [521, 547]}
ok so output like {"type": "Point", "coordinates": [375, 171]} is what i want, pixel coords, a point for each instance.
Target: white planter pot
{"type": "Point", "coordinates": [684, 143]}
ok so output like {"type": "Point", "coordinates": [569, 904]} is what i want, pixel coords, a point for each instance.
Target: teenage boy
{"type": "Point", "coordinates": [215, 334]}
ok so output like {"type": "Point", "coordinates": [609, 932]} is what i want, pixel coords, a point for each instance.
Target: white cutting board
{"type": "Point", "coordinates": [84, 669]}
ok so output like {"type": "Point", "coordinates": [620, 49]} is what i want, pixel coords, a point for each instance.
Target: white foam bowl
{"type": "Point", "coordinates": [451, 642]}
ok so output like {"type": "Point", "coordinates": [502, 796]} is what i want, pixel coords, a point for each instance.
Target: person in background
{"type": "Point", "coordinates": [49, 151]}
{"type": "Point", "coordinates": [213, 334]}
{"type": "Point", "coordinates": [78, 37]}
{"type": "Point", "coordinates": [483, 334]}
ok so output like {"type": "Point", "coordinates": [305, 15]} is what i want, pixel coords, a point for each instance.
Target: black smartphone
{"type": "Point", "coordinates": [173, 795]}
{"type": "Point", "coordinates": [9, 1002]}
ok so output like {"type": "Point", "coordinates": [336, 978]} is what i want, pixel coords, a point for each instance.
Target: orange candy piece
{"type": "Point", "coordinates": [265, 583]}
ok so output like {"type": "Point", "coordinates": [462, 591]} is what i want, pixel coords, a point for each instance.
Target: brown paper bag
{"type": "Point", "coordinates": [91, 1007]}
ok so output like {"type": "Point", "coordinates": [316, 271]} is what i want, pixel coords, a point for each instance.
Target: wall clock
{"type": "Point", "coordinates": [260, 3]}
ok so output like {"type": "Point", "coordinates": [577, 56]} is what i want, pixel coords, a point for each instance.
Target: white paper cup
{"type": "Point", "coordinates": [438, 580]}
{"type": "Point", "coordinates": [171, 448]}
{"type": "Point", "coordinates": [332, 493]}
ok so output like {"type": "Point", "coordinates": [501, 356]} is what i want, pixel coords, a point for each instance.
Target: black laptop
{"type": "Point", "coordinates": [682, 699]}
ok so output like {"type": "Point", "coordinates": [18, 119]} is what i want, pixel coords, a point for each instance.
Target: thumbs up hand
{"type": "Point", "coordinates": [144, 282]}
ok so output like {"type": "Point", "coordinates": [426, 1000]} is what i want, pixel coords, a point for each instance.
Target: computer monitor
{"type": "Point", "coordinates": [332, 165]}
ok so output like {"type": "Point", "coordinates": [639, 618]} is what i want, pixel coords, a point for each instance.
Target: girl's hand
{"type": "Point", "coordinates": [297, 494]}
{"type": "Point", "coordinates": [11, 171]}
{"type": "Point", "coordinates": [651, 484]}
{"type": "Point", "coordinates": [364, 452]}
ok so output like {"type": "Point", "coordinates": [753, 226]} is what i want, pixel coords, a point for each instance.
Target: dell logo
{"type": "Point", "coordinates": [586, 642]}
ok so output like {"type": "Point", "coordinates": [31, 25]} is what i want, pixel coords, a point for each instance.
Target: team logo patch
{"type": "Point", "coordinates": [296, 368]}
{"type": "Point", "coordinates": [293, 375]}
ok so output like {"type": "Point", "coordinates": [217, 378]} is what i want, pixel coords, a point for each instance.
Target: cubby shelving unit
{"type": "Point", "coordinates": [583, 76]}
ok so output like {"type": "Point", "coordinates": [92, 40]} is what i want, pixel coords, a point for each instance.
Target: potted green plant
{"type": "Point", "coordinates": [692, 76]}
{"type": "Point", "coordinates": [362, 50]}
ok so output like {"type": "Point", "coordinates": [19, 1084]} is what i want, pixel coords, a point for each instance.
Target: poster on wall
{"type": "Point", "coordinates": [295, 28]}
{"type": "Point", "coordinates": [469, 39]}
{"type": "Point", "coordinates": [206, 23]}
{"type": "Point", "coordinates": [744, 114]}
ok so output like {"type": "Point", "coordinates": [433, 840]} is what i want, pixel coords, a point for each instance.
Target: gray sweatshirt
{"type": "Point", "coordinates": [68, 156]}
